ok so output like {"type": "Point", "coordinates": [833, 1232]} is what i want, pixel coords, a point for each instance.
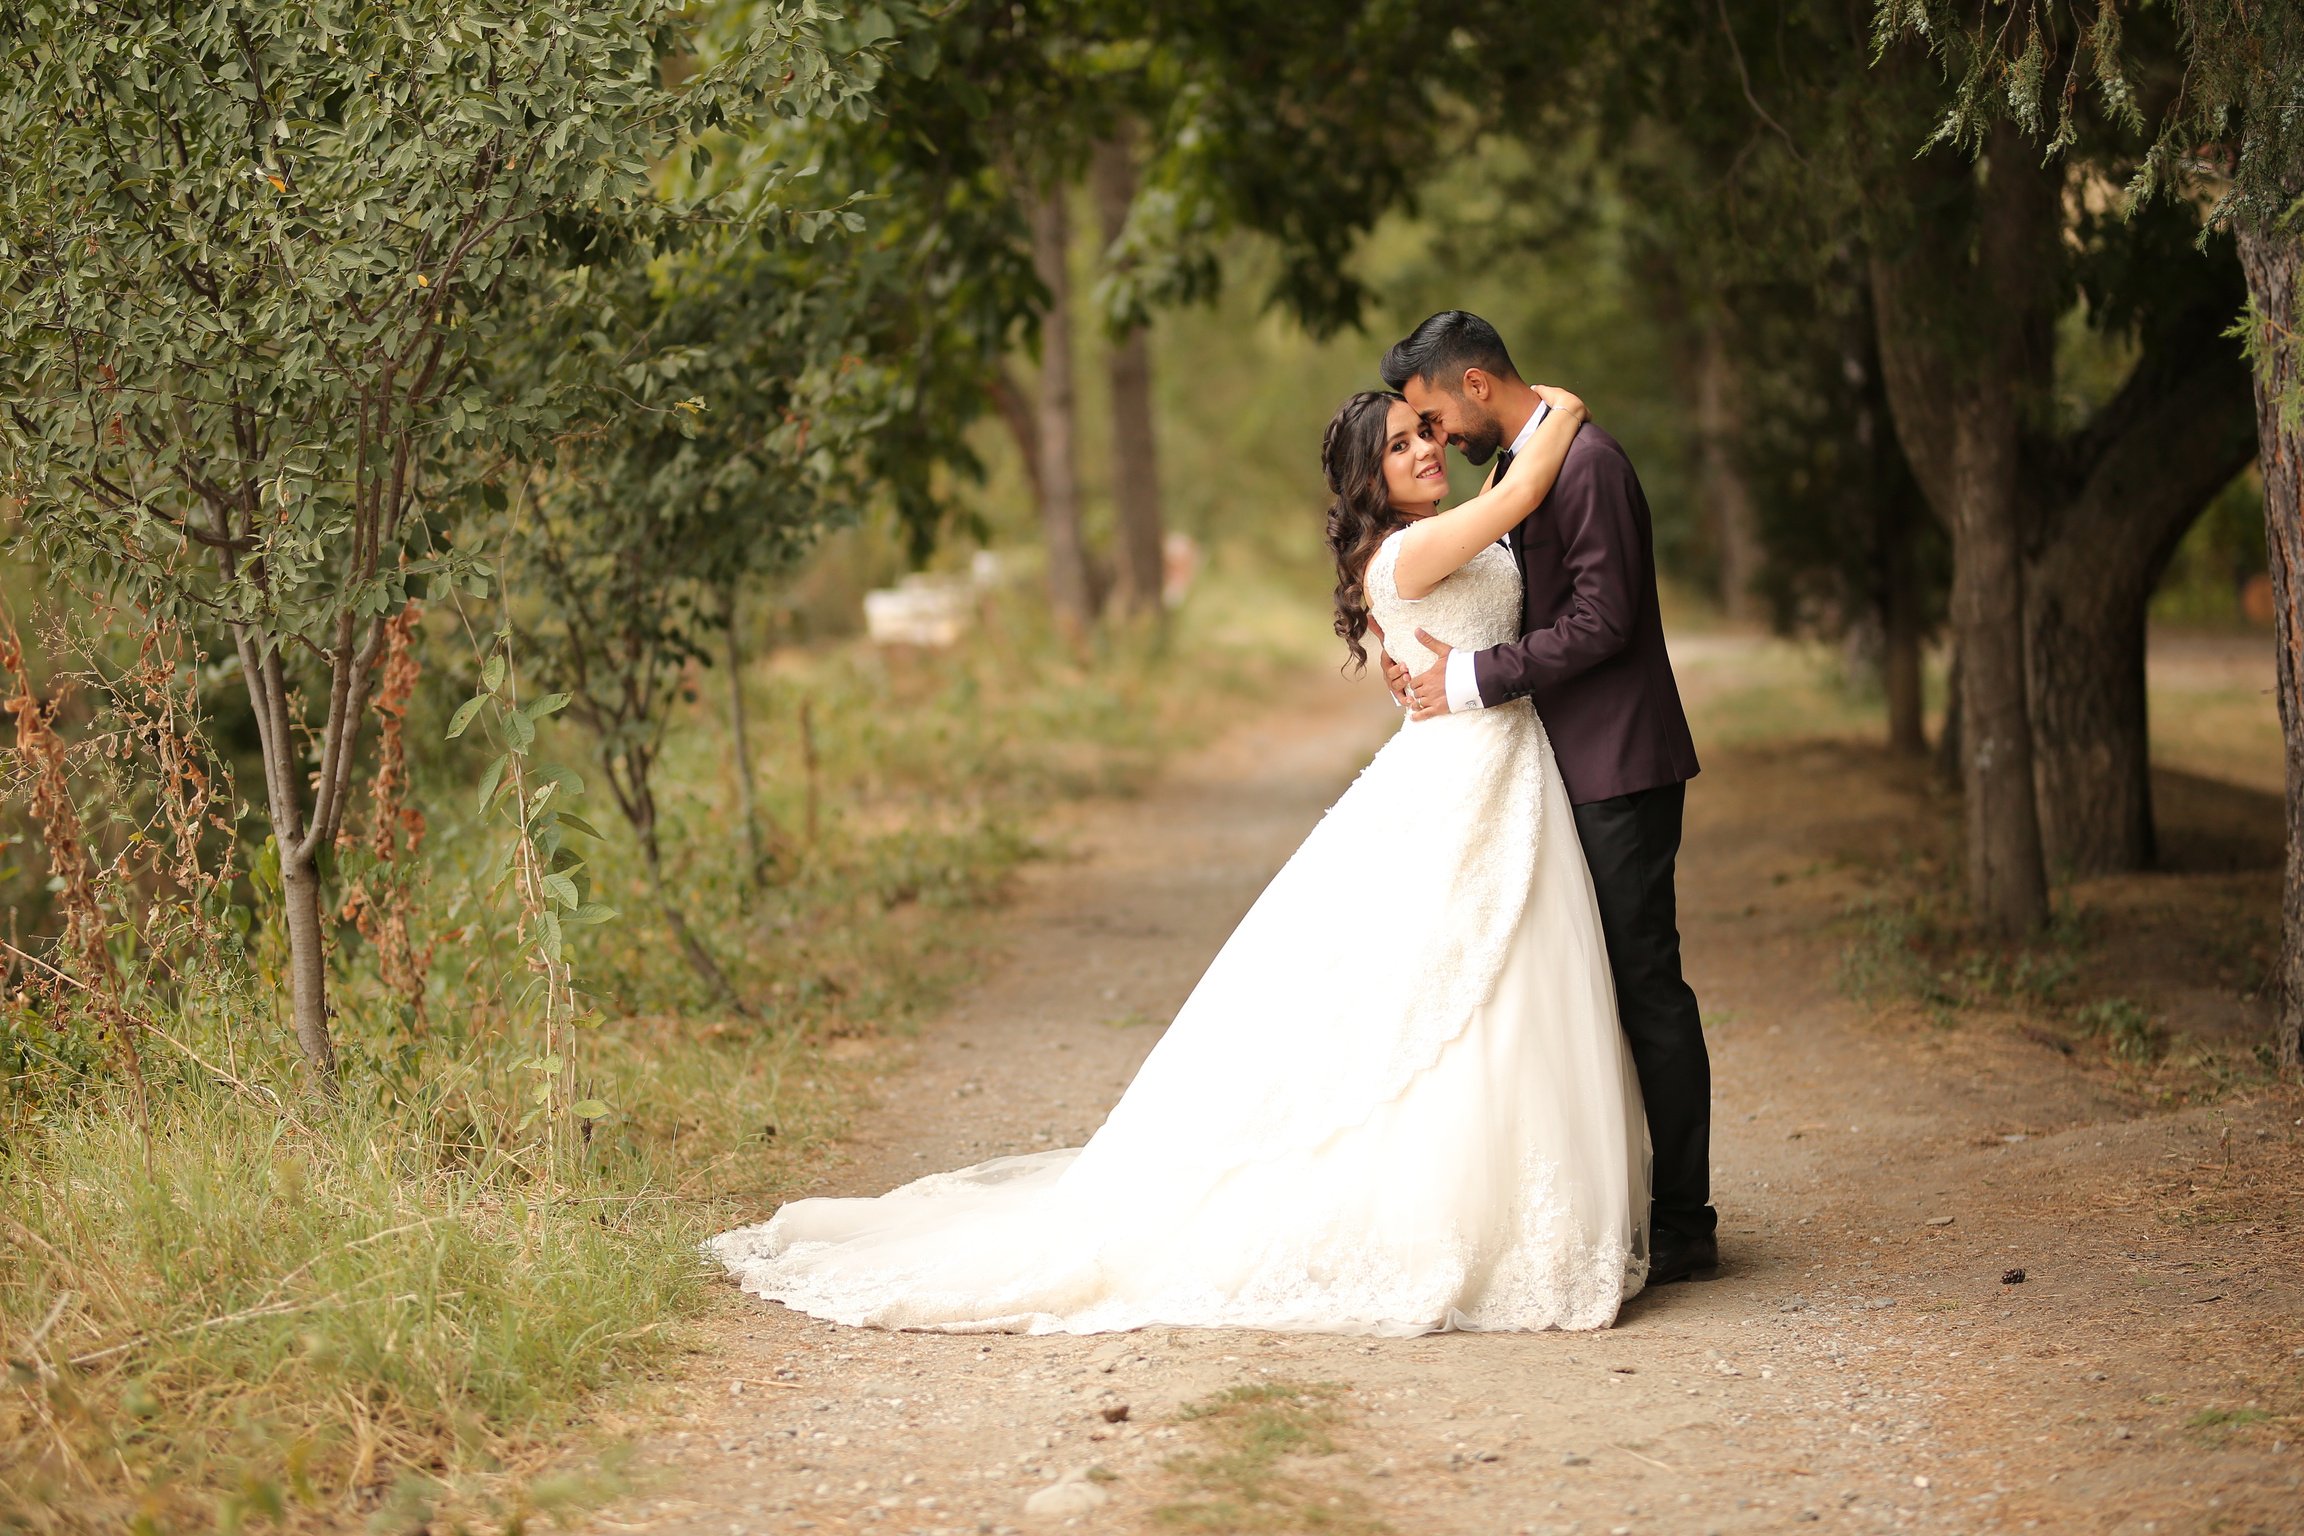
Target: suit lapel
{"type": "Point", "coordinates": [1503, 467]}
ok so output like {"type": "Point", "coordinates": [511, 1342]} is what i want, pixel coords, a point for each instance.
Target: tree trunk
{"type": "Point", "coordinates": [2115, 502]}
{"type": "Point", "coordinates": [2274, 263]}
{"type": "Point", "coordinates": [1965, 320]}
{"type": "Point", "coordinates": [1947, 756]}
{"type": "Point", "coordinates": [1016, 413]}
{"type": "Point", "coordinates": [740, 740]}
{"type": "Point", "coordinates": [2086, 653]}
{"type": "Point", "coordinates": [1893, 503]}
{"type": "Point", "coordinates": [307, 963]}
{"type": "Point", "coordinates": [2007, 881]}
{"type": "Point", "coordinates": [809, 776]}
{"type": "Point", "coordinates": [1727, 500]}
{"type": "Point", "coordinates": [266, 682]}
{"type": "Point", "coordinates": [1070, 589]}
{"type": "Point", "coordinates": [692, 948]}
{"type": "Point", "coordinates": [1900, 647]}
{"type": "Point", "coordinates": [1135, 453]}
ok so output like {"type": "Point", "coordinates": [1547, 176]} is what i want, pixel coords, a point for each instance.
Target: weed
{"type": "Point", "coordinates": [2130, 1033]}
{"type": "Point", "coordinates": [1911, 949]}
{"type": "Point", "coordinates": [2216, 1425]}
{"type": "Point", "coordinates": [1885, 959]}
{"type": "Point", "coordinates": [1240, 1484]}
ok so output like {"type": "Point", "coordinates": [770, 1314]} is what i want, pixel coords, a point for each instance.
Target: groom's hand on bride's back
{"type": "Point", "coordinates": [1425, 694]}
{"type": "Point", "coordinates": [1395, 678]}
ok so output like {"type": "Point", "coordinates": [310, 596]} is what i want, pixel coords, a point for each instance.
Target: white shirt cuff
{"type": "Point", "coordinates": [1463, 687]}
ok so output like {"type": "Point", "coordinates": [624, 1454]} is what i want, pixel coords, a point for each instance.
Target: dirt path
{"type": "Point", "coordinates": [1859, 1364]}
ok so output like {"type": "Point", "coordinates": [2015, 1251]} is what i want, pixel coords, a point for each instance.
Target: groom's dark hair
{"type": "Point", "coordinates": [1439, 350]}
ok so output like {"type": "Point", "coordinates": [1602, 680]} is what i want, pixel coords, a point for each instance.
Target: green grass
{"type": "Point", "coordinates": [281, 1315]}
{"type": "Point", "coordinates": [1249, 1474]}
{"type": "Point", "coordinates": [271, 1315]}
{"type": "Point", "coordinates": [1916, 947]}
{"type": "Point", "coordinates": [2127, 1030]}
{"type": "Point", "coordinates": [274, 1319]}
{"type": "Point", "coordinates": [2214, 1426]}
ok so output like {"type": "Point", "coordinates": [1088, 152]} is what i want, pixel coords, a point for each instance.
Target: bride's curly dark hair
{"type": "Point", "coordinates": [1361, 517]}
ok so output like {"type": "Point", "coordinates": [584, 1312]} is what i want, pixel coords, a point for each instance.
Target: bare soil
{"type": "Point", "coordinates": [1867, 1359]}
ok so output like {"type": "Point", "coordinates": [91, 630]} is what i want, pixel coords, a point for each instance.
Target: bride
{"type": "Point", "coordinates": [1397, 1102]}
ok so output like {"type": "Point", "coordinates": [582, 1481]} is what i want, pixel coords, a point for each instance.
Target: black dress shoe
{"type": "Point", "coordinates": [1682, 1258]}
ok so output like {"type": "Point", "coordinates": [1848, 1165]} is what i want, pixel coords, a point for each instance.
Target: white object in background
{"type": "Point", "coordinates": [1179, 565]}
{"type": "Point", "coordinates": [922, 610]}
{"type": "Point", "coordinates": [989, 568]}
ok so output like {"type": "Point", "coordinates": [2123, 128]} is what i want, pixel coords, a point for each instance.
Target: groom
{"type": "Point", "coordinates": [1591, 654]}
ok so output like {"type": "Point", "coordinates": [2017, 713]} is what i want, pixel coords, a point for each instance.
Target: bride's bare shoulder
{"type": "Point", "coordinates": [1390, 541]}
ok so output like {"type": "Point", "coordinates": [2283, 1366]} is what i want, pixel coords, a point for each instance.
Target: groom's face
{"type": "Point", "coordinates": [1461, 414]}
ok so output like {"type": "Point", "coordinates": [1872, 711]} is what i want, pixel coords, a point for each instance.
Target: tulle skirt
{"type": "Point", "coordinates": [1398, 1102]}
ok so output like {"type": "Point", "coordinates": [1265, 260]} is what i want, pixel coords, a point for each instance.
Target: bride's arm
{"type": "Point", "coordinates": [1435, 547]}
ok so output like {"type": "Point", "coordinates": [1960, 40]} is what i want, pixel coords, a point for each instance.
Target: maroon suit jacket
{"type": "Point", "coordinates": [1591, 651]}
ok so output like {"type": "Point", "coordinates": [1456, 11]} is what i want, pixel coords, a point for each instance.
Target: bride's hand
{"type": "Point", "coordinates": [1562, 400]}
{"type": "Point", "coordinates": [1395, 675]}
{"type": "Point", "coordinates": [1395, 678]}
{"type": "Point", "coordinates": [1428, 690]}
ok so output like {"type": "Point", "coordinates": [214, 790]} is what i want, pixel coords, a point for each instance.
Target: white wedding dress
{"type": "Point", "coordinates": [1397, 1102]}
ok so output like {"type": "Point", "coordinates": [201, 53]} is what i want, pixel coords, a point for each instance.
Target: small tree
{"type": "Point", "coordinates": [254, 260]}
{"type": "Point", "coordinates": [743, 400]}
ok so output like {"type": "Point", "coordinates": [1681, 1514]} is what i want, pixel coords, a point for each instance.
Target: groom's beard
{"type": "Point", "coordinates": [1479, 444]}
{"type": "Point", "coordinates": [1481, 437]}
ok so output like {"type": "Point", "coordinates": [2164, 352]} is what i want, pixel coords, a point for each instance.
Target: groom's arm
{"type": "Point", "coordinates": [1594, 510]}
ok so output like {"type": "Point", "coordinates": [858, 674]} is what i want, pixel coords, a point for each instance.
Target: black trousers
{"type": "Point", "coordinates": [1631, 843]}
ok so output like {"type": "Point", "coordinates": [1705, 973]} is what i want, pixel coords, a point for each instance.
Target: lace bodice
{"type": "Point", "coordinates": [1476, 607]}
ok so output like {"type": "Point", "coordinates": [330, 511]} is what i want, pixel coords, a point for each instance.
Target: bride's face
{"type": "Point", "coordinates": [1415, 476]}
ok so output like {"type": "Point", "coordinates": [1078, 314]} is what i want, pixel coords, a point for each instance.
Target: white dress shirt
{"type": "Point", "coordinates": [1463, 687]}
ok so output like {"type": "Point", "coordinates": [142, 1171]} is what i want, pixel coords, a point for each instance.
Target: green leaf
{"type": "Point", "coordinates": [593, 912]}
{"type": "Point", "coordinates": [562, 890]}
{"type": "Point", "coordinates": [548, 934]}
{"type": "Point", "coordinates": [570, 781]}
{"type": "Point", "coordinates": [464, 713]}
{"type": "Point", "coordinates": [589, 1109]}
{"type": "Point", "coordinates": [576, 823]}
{"type": "Point", "coordinates": [551, 703]}
{"type": "Point", "coordinates": [519, 732]}
{"type": "Point", "coordinates": [492, 672]}
{"type": "Point", "coordinates": [488, 784]}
